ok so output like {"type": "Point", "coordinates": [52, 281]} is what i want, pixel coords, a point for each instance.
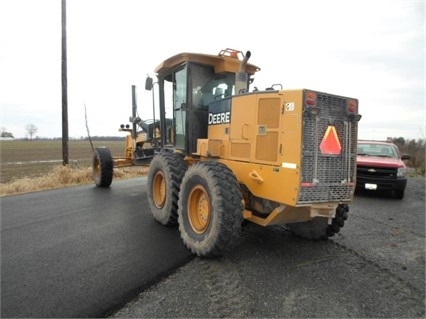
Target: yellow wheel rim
{"type": "Point", "coordinates": [199, 209]}
{"type": "Point", "coordinates": [159, 189]}
{"type": "Point", "coordinates": [97, 168]}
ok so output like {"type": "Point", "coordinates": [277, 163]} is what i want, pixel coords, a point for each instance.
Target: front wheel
{"type": "Point", "coordinates": [210, 209]}
{"type": "Point", "coordinates": [102, 167]}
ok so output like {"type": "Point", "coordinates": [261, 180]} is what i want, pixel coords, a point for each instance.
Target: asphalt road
{"type": "Point", "coordinates": [85, 252]}
{"type": "Point", "coordinates": [82, 251]}
{"type": "Point", "coordinates": [374, 268]}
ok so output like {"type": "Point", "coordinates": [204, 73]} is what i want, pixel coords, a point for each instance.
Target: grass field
{"type": "Point", "coordinates": [36, 158]}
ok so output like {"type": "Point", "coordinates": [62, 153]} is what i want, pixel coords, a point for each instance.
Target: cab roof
{"type": "Point", "coordinates": [220, 62]}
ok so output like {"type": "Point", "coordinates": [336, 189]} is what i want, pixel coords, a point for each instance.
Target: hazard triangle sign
{"type": "Point", "coordinates": [330, 143]}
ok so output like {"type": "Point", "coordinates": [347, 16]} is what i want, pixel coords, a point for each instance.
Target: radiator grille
{"type": "Point", "coordinates": [386, 173]}
{"type": "Point", "coordinates": [328, 178]}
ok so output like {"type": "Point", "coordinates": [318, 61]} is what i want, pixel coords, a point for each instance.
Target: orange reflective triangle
{"type": "Point", "coordinates": [330, 143]}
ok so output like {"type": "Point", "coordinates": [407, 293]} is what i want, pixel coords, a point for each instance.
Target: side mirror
{"type": "Point", "coordinates": [405, 157]}
{"type": "Point", "coordinates": [148, 83]}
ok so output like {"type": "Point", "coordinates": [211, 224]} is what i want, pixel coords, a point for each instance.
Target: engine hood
{"type": "Point", "coordinates": [379, 161]}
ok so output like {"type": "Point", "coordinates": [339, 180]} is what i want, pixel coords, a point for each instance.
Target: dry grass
{"type": "Point", "coordinates": [64, 176]}
{"type": "Point", "coordinates": [29, 166]}
{"type": "Point", "coordinates": [20, 159]}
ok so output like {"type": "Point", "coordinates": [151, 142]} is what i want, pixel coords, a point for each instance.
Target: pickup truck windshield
{"type": "Point", "coordinates": [377, 150]}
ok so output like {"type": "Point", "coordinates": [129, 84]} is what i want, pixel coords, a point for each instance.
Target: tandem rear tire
{"type": "Point", "coordinates": [318, 228]}
{"type": "Point", "coordinates": [163, 185]}
{"type": "Point", "coordinates": [210, 209]}
{"type": "Point", "coordinates": [102, 167]}
{"type": "Point", "coordinates": [315, 229]}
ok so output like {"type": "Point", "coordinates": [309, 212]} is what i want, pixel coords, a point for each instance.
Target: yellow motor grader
{"type": "Point", "coordinates": [141, 142]}
{"type": "Point", "coordinates": [271, 157]}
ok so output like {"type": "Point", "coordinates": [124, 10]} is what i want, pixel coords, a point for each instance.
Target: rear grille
{"type": "Point", "coordinates": [328, 178]}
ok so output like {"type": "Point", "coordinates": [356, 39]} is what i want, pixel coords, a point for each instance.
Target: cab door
{"type": "Point", "coordinates": [180, 107]}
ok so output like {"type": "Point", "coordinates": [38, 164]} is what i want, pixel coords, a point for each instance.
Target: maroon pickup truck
{"type": "Point", "coordinates": [381, 167]}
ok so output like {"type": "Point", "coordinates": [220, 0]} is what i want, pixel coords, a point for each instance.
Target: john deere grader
{"type": "Point", "coordinates": [141, 143]}
{"type": "Point", "coordinates": [229, 154]}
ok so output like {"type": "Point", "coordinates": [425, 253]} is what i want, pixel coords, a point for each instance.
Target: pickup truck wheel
{"type": "Point", "coordinates": [399, 193]}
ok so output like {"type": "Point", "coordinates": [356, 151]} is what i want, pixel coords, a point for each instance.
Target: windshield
{"type": "Point", "coordinates": [378, 150]}
{"type": "Point", "coordinates": [209, 86]}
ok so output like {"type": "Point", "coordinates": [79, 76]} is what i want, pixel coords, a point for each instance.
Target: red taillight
{"type": "Point", "coordinates": [311, 102]}
{"type": "Point", "coordinates": [308, 184]}
{"type": "Point", "coordinates": [311, 98]}
{"type": "Point", "coordinates": [352, 106]}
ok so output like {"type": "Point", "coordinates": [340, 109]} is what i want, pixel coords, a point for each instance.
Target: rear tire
{"type": "Point", "coordinates": [102, 167]}
{"type": "Point", "coordinates": [164, 178]}
{"type": "Point", "coordinates": [315, 229]}
{"type": "Point", "coordinates": [210, 209]}
{"type": "Point", "coordinates": [318, 228]}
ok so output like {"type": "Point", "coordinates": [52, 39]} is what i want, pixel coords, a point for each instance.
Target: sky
{"type": "Point", "coordinates": [366, 49]}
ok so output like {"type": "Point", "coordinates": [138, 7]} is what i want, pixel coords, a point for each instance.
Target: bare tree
{"type": "Point", "coordinates": [31, 130]}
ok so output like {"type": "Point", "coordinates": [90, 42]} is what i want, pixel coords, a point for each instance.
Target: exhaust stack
{"type": "Point", "coordinates": [241, 77]}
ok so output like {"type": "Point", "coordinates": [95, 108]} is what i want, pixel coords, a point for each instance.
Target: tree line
{"type": "Point", "coordinates": [32, 129]}
{"type": "Point", "coordinates": [416, 149]}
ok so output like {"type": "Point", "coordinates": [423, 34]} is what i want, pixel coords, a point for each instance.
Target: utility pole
{"type": "Point", "coordinates": [65, 156]}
